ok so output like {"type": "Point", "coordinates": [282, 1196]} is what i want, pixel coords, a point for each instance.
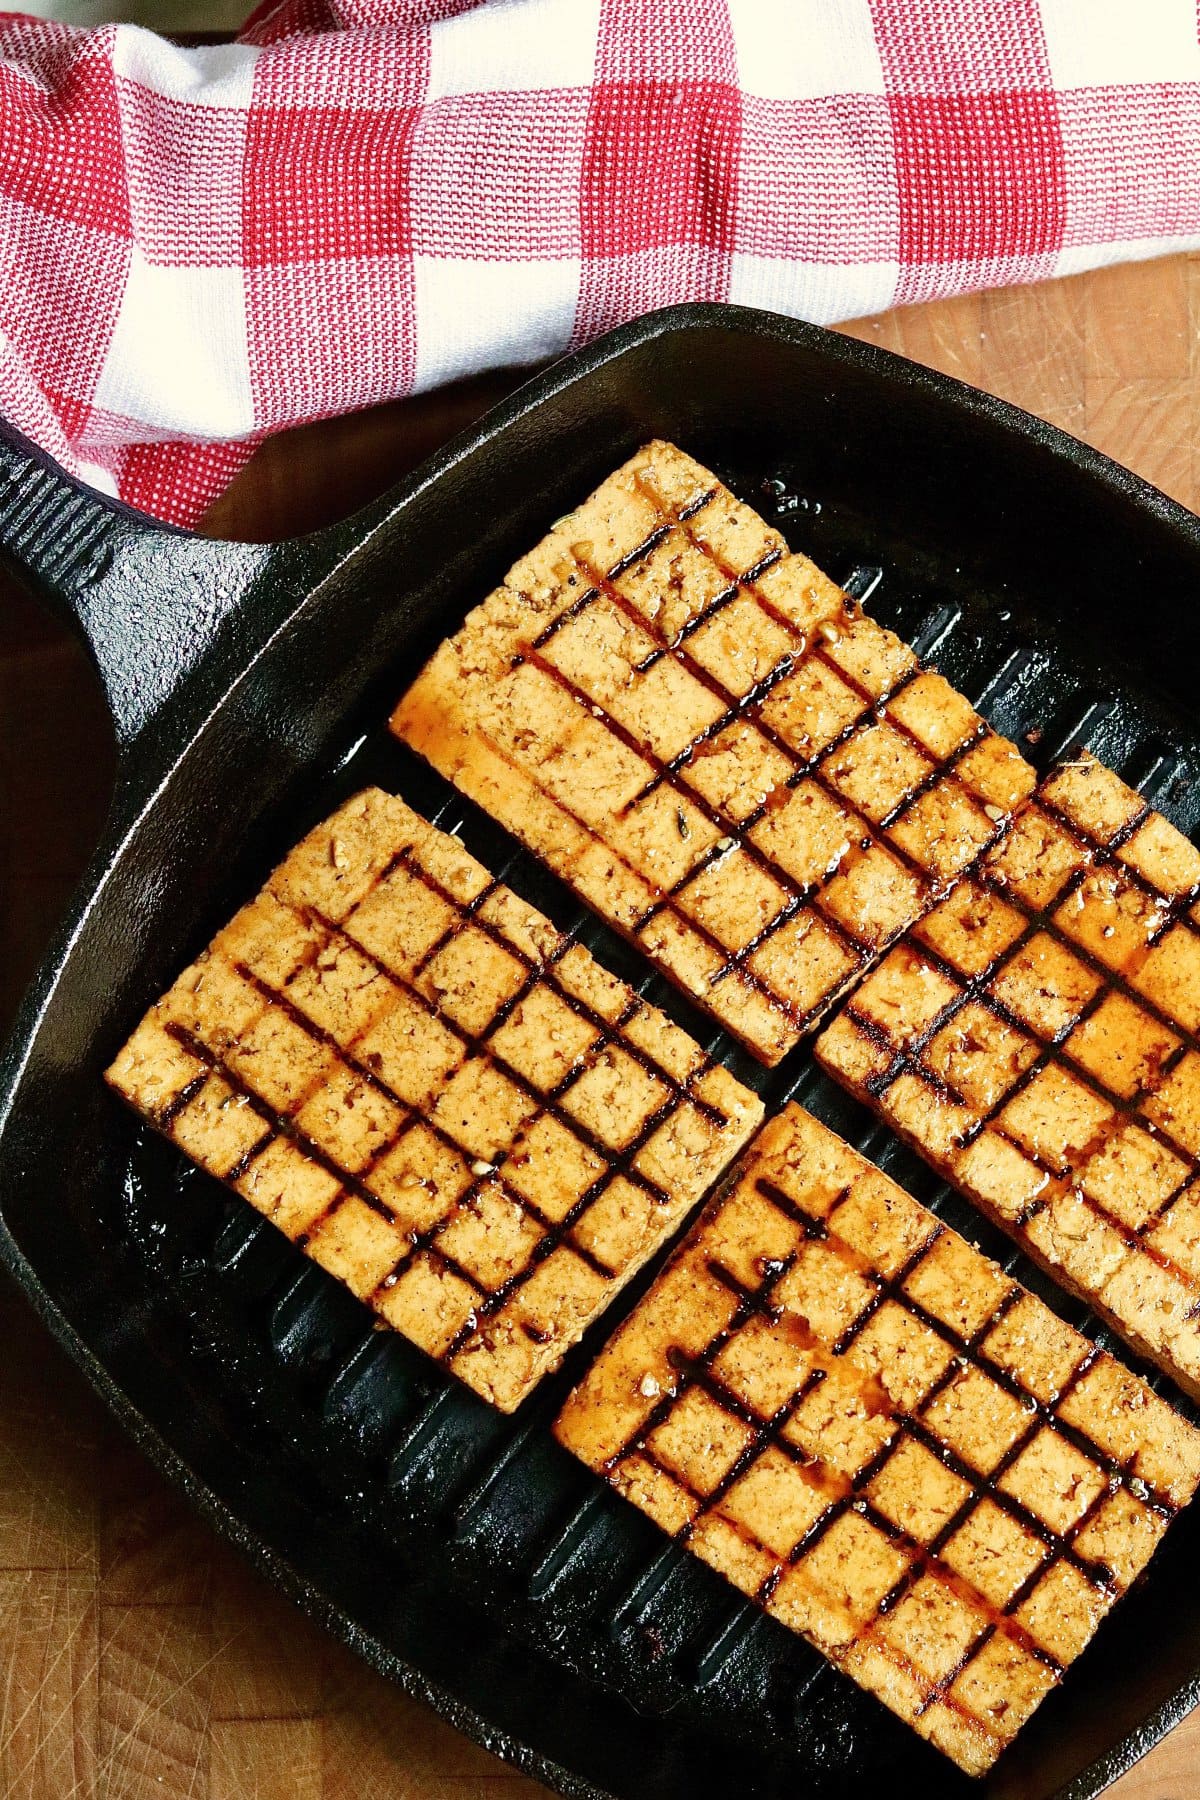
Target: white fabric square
{"type": "Point", "coordinates": [514, 45]}
{"type": "Point", "coordinates": [96, 477]}
{"type": "Point", "coordinates": [805, 49]}
{"type": "Point", "coordinates": [819, 292]}
{"type": "Point", "coordinates": [1111, 43]}
{"type": "Point", "coordinates": [208, 75]}
{"type": "Point", "coordinates": [178, 356]}
{"type": "Point", "coordinates": [474, 315]}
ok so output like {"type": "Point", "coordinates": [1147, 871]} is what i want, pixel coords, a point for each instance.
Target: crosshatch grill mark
{"type": "Point", "coordinates": [653, 1450]}
{"type": "Point", "coordinates": [750, 960]}
{"type": "Point", "coordinates": [683, 1115]}
{"type": "Point", "coordinates": [1147, 1108]}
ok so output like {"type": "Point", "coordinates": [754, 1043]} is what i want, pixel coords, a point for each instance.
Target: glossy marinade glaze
{"type": "Point", "coordinates": [899, 1452]}
{"type": "Point", "coordinates": [708, 740]}
{"type": "Point", "coordinates": [446, 1102]}
{"type": "Point", "coordinates": [1037, 1038]}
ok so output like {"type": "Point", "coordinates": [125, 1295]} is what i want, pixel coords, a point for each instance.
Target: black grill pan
{"type": "Point", "coordinates": [462, 1553]}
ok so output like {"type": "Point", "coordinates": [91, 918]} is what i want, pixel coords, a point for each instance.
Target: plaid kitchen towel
{"type": "Point", "coordinates": [363, 198]}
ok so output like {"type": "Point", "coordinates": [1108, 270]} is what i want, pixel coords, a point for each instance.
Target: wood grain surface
{"type": "Point", "coordinates": [141, 1659]}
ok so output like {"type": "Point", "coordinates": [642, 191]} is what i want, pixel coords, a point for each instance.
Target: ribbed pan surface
{"type": "Point", "coordinates": [489, 1511]}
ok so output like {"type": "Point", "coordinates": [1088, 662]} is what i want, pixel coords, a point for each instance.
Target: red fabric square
{"type": "Point", "coordinates": [70, 411]}
{"type": "Point", "coordinates": [61, 150]}
{"type": "Point", "coordinates": [935, 47]}
{"type": "Point", "coordinates": [320, 182]}
{"type": "Point", "coordinates": [179, 481]}
{"type": "Point", "coordinates": [980, 177]}
{"type": "Point", "coordinates": [659, 166]}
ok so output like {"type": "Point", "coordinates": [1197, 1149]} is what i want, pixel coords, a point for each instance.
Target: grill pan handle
{"type": "Point", "coordinates": [148, 601]}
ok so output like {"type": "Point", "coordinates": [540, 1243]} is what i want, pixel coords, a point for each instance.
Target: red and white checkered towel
{"type": "Point", "coordinates": [363, 198]}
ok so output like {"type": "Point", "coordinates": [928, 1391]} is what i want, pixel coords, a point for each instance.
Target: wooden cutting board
{"type": "Point", "coordinates": [140, 1659]}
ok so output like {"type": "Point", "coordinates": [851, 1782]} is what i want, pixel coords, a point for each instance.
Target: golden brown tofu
{"type": "Point", "coordinates": [444, 1101]}
{"type": "Point", "coordinates": [866, 1426]}
{"type": "Point", "coordinates": [1036, 1039]}
{"type": "Point", "coordinates": [756, 783]}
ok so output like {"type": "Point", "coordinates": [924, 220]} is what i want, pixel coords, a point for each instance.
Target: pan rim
{"type": "Point", "coordinates": [351, 538]}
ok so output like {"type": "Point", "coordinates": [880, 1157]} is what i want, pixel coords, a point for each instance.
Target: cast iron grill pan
{"type": "Point", "coordinates": [463, 1552]}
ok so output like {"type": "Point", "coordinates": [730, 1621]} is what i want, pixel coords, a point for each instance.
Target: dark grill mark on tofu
{"type": "Point", "coordinates": [753, 781]}
{"type": "Point", "coordinates": [1037, 1038]}
{"type": "Point", "coordinates": [896, 1450]}
{"type": "Point", "coordinates": [442, 1099]}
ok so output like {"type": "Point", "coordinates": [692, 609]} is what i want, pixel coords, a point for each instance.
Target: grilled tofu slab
{"type": "Point", "coordinates": [714, 746]}
{"type": "Point", "coordinates": [1037, 1040]}
{"type": "Point", "coordinates": [448, 1104]}
{"type": "Point", "coordinates": [867, 1426]}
